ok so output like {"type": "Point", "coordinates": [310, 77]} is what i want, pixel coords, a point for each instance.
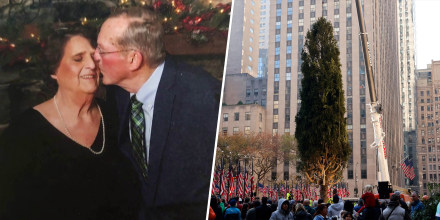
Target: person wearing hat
{"type": "Point", "coordinates": [403, 204]}
{"type": "Point", "coordinates": [232, 213]}
{"type": "Point", "coordinates": [393, 210]}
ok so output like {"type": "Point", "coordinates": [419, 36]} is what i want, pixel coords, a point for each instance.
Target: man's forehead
{"type": "Point", "coordinates": [111, 30]}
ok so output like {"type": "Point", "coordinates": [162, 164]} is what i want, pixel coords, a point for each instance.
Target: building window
{"type": "Point", "coordinates": [247, 130]}
{"type": "Point", "coordinates": [350, 174]}
{"type": "Point", "coordinates": [225, 117]}
{"type": "Point", "coordinates": [225, 131]}
{"type": "Point", "coordinates": [248, 92]}
{"type": "Point", "coordinates": [236, 116]}
{"type": "Point", "coordinates": [235, 130]}
{"type": "Point", "coordinates": [247, 116]}
{"type": "Point", "coordinates": [255, 92]}
{"type": "Point", "coordinates": [363, 174]}
{"type": "Point", "coordinates": [261, 117]}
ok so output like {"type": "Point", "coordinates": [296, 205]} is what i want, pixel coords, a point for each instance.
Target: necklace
{"type": "Point", "coordinates": [70, 135]}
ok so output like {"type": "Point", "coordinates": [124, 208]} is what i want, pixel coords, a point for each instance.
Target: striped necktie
{"type": "Point", "coordinates": [137, 126]}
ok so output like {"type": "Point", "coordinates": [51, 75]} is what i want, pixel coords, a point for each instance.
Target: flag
{"type": "Point", "coordinates": [408, 169]}
{"type": "Point", "coordinates": [240, 181]}
{"type": "Point", "coordinates": [252, 184]}
{"type": "Point", "coordinates": [283, 191]}
{"type": "Point", "coordinates": [231, 181]}
{"type": "Point", "coordinates": [223, 191]}
{"type": "Point", "coordinates": [247, 190]}
{"type": "Point", "coordinates": [213, 186]}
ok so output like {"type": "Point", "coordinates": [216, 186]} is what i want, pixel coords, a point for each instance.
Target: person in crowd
{"type": "Point", "coordinates": [416, 205]}
{"type": "Point", "coordinates": [336, 208]}
{"type": "Point", "coordinates": [222, 205]}
{"type": "Point", "coordinates": [359, 205]}
{"type": "Point", "coordinates": [274, 205]}
{"type": "Point", "coordinates": [348, 206]}
{"type": "Point", "coordinates": [252, 213]}
{"type": "Point", "coordinates": [347, 216]}
{"type": "Point", "coordinates": [263, 211]}
{"type": "Point", "coordinates": [283, 211]}
{"type": "Point", "coordinates": [216, 207]}
{"type": "Point", "coordinates": [167, 113]}
{"type": "Point", "coordinates": [211, 215]}
{"type": "Point", "coordinates": [239, 202]}
{"type": "Point", "coordinates": [403, 204]}
{"type": "Point", "coordinates": [301, 213]}
{"type": "Point", "coordinates": [307, 207]}
{"type": "Point", "coordinates": [321, 212]}
{"type": "Point", "coordinates": [245, 208]}
{"type": "Point", "coordinates": [232, 213]}
{"type": "Point", "coordinates": [393, 210]}
{"type": "Point", "coordinates": [437, 212]}
{"type": "Point", "coordinates": [60, 159]}
{"type": "Point", "coordinates": [367, 211]}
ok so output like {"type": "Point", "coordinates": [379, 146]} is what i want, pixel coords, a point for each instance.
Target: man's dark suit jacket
{"type": "Point", "coordinates": [182, 141]}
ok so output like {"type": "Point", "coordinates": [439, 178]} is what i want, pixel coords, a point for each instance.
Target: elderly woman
{"type": "Point", "coordinates": [59, 159]}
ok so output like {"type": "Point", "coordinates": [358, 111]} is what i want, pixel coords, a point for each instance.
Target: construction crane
{"type": "Point", "coordinates": [375, 106]}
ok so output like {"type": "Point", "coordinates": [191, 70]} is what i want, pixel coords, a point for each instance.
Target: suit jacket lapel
{"type": "Point", "coordinates": [123, 102]}
{"type": "Point", "coordinates": [162, 119]}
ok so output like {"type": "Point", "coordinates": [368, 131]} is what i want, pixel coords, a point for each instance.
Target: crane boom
{"type": "Point", "coordinates": [375, 106]}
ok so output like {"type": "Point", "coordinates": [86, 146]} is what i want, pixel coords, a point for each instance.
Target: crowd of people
{"type": "Point", "coordinates": [368, 207]}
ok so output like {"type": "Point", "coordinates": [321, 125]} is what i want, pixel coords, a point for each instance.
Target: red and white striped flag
{"type": "Point", "coordinates": [223, 191]}
{"type": "Point", "coordinates": [408, 169]}
{"type": "Point", "coordinates": [240, 184]}
{"type": "Point", "coordinates": [231, 182]}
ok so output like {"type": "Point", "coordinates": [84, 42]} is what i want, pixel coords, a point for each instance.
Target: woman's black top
{"type": "Point", "coordinates": [46, 175]}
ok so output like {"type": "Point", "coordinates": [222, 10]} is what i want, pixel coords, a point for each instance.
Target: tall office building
{"type": "Point", "coordinates": [289, 22]}
{"type": "Point", "coordinates": [428, 127]}
{"type": "Point", "coordinates": [405, 24]}
{"type": "Point", "coordinates": [263, 37]}
{"type": "Point", "coordinates": [405, 15]}
{"type": "Point", "coordinates": [243, 46]}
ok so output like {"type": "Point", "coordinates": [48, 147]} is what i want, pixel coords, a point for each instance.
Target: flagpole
{"type": "Point", "coordinates": [237, 175]}
{"type": "Point", "coordinates": [222, 177]}
{"type": "Point", "coordinates": [244, 179]}
{"type": "Point", "coordinates": [252, 178]}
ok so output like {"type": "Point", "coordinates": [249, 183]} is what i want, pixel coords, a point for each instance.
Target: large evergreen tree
{"type": "Point", "coordinates": [320, 124]}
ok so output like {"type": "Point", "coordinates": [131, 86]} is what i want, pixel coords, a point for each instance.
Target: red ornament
{"type": "Point", "coordinates": [157, 5]}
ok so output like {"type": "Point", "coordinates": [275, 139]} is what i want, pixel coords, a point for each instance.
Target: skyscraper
{"type": "Point", "coordinates": [243, 46]}
{"type": "Point", "coordinates": [428, 128]}
{"type": "Point", "coordinates": [405, 15]}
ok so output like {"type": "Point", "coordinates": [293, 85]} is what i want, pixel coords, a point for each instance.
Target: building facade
{"type": "Point", "coordinates": [289, 22]}
{"type": "Point", "coordinates": [243, 53]}
{"type": "Point", "coordinates": [244, 119]}
{"type": "Point", "coordinates": [428, 127]}
{"type": "Point", "coordinates": [242, 88]}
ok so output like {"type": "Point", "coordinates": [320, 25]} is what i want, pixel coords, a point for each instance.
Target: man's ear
{"type": "Point", "coordinates": [135, 60]}
{"type": "Point", "coordinates": [53, 76]}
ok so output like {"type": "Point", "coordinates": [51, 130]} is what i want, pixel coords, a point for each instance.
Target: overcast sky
{"type": "Point", "coordinates": [427, 28]}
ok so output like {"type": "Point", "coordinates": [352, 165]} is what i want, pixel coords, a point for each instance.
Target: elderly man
{"type": "Point", "coordinates": [167, 114]}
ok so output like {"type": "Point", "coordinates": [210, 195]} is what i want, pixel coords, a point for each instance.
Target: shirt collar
{"type": "Point", "coordinates": [147, 92]}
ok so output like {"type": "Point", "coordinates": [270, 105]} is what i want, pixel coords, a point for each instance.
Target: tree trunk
{"type": "Point", "coordinates": [323, 192]}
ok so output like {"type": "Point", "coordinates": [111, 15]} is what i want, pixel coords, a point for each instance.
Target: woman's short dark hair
{"type": "Point", "coordinates": [56, 43]}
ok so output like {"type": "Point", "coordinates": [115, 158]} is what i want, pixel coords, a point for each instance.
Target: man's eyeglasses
{"type": "Point", "coordinates": [103, 52]}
